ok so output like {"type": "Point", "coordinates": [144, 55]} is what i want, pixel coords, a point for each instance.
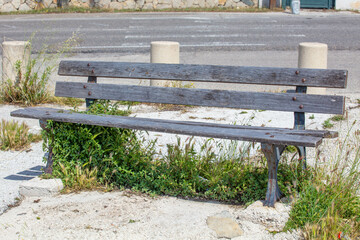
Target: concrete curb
{"type": "Point", "coordinates": [38, 187]}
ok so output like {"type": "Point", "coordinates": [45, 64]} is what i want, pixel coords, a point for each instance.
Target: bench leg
{"type": "Point", "coordinates": [272, 154]}
{"type": "Point", "coordinates": [302, 155]}
{"type": "Point", "coordinates": [48, 156]}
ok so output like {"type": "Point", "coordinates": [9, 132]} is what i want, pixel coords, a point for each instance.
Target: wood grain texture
{"type": "Point", "coordinates": [208, 73]}
{"type": "Point", "coordinates": [292, 102]}
{"type": "Point", "coordinates": [301, 138]}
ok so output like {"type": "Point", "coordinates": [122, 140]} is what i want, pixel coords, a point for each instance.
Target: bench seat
{"type": "Point", "coordinates": [278, 136]}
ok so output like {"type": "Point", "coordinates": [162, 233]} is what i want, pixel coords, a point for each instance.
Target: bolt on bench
{"type": "Point", "coordinates": [273, 140]}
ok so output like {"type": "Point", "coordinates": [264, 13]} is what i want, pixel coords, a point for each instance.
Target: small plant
{"type": "Point", "coordinates": [31, 84]}
{"type": "Point", "coordinates": [327, 124]}
{"type": "Point", "coordinates": [15, 136]}
{"type": "Point", "coordinates": [337, 118]}
{"type": "Point", "coordinates": [312, 117]}
{"type": "Point", "coordinates": [329, 202]}
{"type": "Point", "coordinates": [79, 178]}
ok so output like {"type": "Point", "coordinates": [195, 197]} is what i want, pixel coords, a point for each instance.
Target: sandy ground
{"type": "Point", "coordinates": [125, 215]}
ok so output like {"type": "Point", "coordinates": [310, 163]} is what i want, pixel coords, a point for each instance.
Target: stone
{"type": "Point", "coordinates": [139, 4]}
{"type": "Point", "coordinates": [47, 3]}
{"type": "Point", "coordinates": [178, 4]}
{"type": "Point", "coordinates": [222, 2]}
{"type": "Point", "coordinates": [224, 225]}
{"type": "Point", "coordinates": [8, 7]}
{"type": "Point", "coordinates": [24, 7]}
{"type": "Point", "coordinates": [165, 2]}
{"type": "Point", "coordinates": [211, 3]}
{"type": "Point", "coordinates": [103, 3]}
{"type": "Point", "coordinates": [248, 2]}
{"type": "Point", "coordinates": [16, 3]}
{"type": "Point", "coordinates": [163, 6]}
{"type": "Point", "coordinates": [274, 219]}
{"type": "Point", "coordinates": [189, 3]}
{"type": "Point", "coordinates": [148, 6]}
{"type": "Point", "coordinates": [116, 5]}
{"type": "Point", "coordinates": [31, 3]}
{"type": "Point", "coordinates": [201, 3]}
{"type": "Point", "coordinates": [129, 4]}
{"type": "Point", "coordinates": [38, 187]}
{"type": "Point", "coordinates": [7, 1]}
{"type": "Point", "coordinates": [230, 4]}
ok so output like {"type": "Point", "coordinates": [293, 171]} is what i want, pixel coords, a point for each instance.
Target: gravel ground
{"type": "Point", "coordinates": [16, 167]}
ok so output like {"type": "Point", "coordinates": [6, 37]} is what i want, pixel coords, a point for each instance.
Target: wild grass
{"type": "Point", "coordinates": [30, 87]}
{"type": "Point", "coordinates": [16, 136]}
{"type": "Point", "coordinates": [329, 202]}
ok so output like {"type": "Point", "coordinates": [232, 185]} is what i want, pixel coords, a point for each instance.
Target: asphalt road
{"type": "Point", "coordinates": [133, 32]}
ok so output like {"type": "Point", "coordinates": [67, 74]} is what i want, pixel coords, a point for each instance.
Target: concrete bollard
{"type": "Point", "coordinates": [164, 52]}
{"type": "Point", "coordinates": [313, 55]}
{"type": "Point", "coordinates": [12, 52]}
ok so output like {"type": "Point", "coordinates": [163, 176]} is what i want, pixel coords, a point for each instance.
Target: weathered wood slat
{"type": "Point", "coordinates": [292, 102]}
{"type": "Point", "coordinates": [264, 136]}
{"type": "Point", "coordinates": [208, 73]}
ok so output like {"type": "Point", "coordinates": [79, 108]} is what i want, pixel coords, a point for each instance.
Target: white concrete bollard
{"type": "Point", "coordinates": [164, 52]}
{"type": "Point", "coordinates": [12, 52]}
{"type": "Point", "coordinates": [313, 55]}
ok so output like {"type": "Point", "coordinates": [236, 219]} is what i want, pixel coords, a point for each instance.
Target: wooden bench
{"type": "Point", "coordinates": [273, 140]}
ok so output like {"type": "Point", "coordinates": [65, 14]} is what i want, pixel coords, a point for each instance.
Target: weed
{"type": "Point", "coordinates": [31, 84]}
{"type": "Point", "coordinates": [337, 118]}
{"type": "Point", "coordinates": [327, 124]}
{"type": "Point", "coordinates": [72, 102]}
{"type": "Point", "coordinates": [15, 136]}
{"type": "Point", "coordinates": [79, 178]}
{"type": "Point", "coordinates": [312, 117]}
{"type": "Point", "coordinates": [328, 202]}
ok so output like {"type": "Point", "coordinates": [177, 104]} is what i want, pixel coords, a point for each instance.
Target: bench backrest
{"type": "Point", "coordinates": [294, 102]}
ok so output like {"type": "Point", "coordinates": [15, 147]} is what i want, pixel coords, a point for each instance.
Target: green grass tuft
{"type": "Point", "coordinates": [15, 136]}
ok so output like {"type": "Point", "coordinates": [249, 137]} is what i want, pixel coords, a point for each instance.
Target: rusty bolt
{"type": "Point", "coordinates": [297, 72]}
{"type": "Point", "coordinates": [84, 86]}
{"type": "Point", "coordinates": [272, 136]}
{"type": "Point", "coordinates": [88, 64]}
{"type": "Point", "coordinates": [301, 106]}
{"type": "Point", "coordinates": [92, 71]}
{"type": "Point", "coordinates": [294, 98]}
{"type": "Point", "coordinates": [267, 133]}
{"type": "Point", "coordinates": [89, 93]}
{"type": "Point", "coordinates": [303, 80]}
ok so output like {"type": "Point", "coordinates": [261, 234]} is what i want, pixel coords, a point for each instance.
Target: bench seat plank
{"type": "Point", "coordinates": [301, 138]}
{"type": "Point", "coordinates": [290, 102]}
{"type": "Point", "coordinates": [208, 73]}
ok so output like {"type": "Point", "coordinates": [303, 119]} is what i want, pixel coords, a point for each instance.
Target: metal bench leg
{"type": "Point", "coordinates": [272, 154]}
{"type": "Point", "coordinates": [302, 155]}
{"type": "Point", "coordinates": [48, 156]}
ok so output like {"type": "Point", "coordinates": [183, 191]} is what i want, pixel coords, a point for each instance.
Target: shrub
{"type": "Point", "coordinates": [122, 159]}
{"type": "Point", "coordinates": [15, 136]}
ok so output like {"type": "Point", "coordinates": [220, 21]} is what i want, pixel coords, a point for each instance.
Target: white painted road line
{"type": "Point", "coordinates": [141, 45]}
{"type": "Point", "coordinates": [212, 36]}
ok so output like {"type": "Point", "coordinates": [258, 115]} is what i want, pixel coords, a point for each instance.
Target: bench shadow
{"type": "Point", "coordinates": [26, 174]}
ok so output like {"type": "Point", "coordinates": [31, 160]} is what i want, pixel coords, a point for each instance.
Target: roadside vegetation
{"type": "Point", "coordinates": [31, 86]}
{"type": "Point", "coordinates": [73, 9]}
{"type": "Point", "coordinates": [16, 136]}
